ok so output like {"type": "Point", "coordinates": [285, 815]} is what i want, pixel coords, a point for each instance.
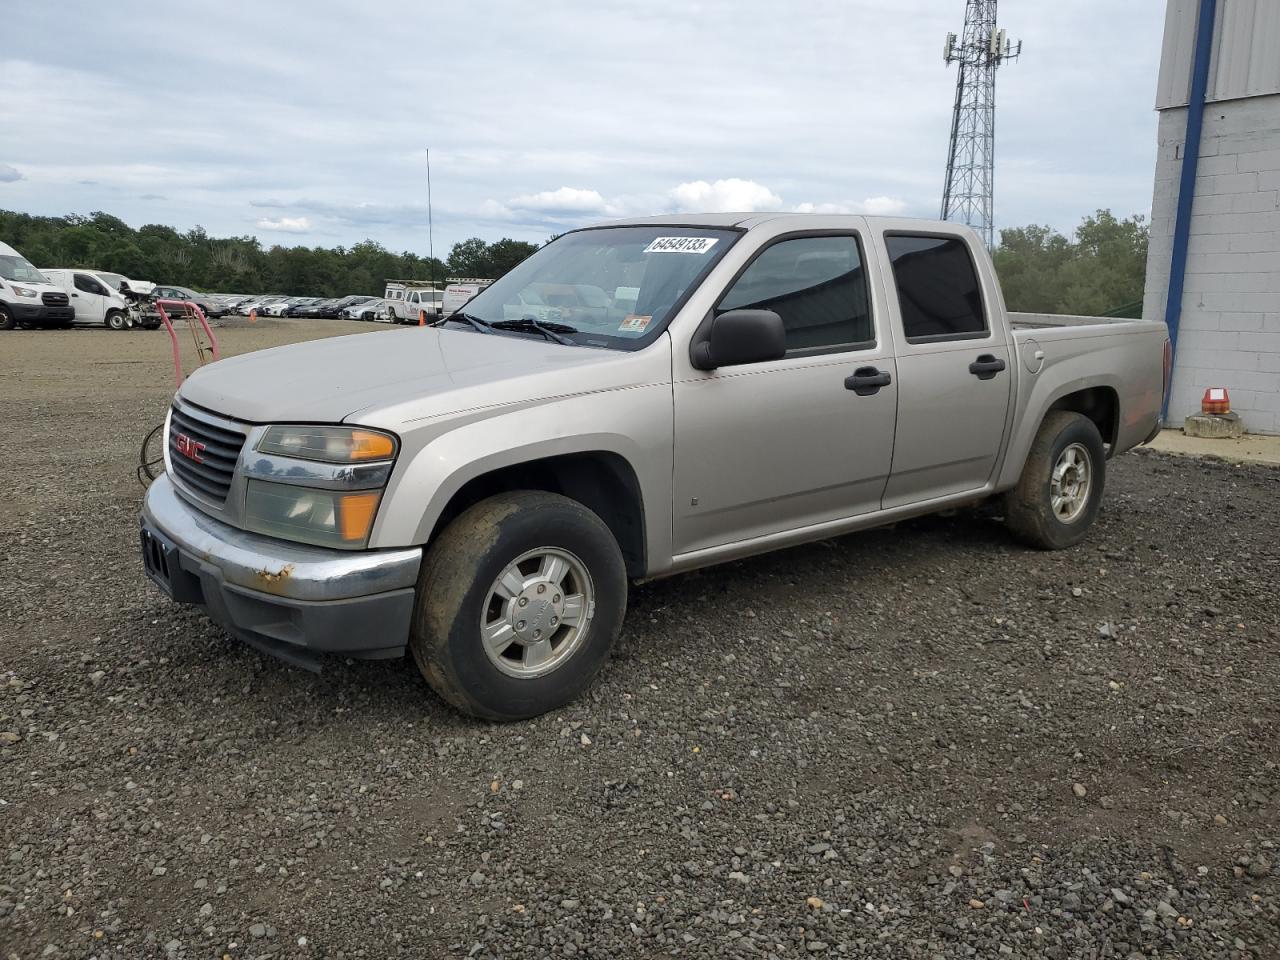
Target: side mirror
{"type": "Point", "coordinates": [737, 337]}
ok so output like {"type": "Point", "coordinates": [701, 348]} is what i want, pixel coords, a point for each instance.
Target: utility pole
{"type": "Point", "coordinates": [967, 194]}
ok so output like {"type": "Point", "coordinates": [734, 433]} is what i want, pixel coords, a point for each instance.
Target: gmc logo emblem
{"type": "Point", "coordinates": [191, 449]}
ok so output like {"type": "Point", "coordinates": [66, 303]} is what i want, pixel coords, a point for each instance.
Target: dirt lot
{"type": "Point", "coordinates": [915, 743]}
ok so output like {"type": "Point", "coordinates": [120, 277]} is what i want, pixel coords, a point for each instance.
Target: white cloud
{"type": "Point", "coordinates": [723, 196]}
{"type": "Point", "coordinates": [285, 224]}
{"type": "Point", "coordinates": [9, 174]}
{"type": "Point", "coordinates": [563, 200]}
{"type": "Point", "coordinates": [882, 206]}
{"type": "Point", "coordinates": [822, 208]}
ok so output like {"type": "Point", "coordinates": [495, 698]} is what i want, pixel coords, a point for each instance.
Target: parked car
{"type": "Point", "coordinates": [256, 303]}
{"type": "Point", "coordinates": [278, 308]}
{"type": "Point", "coordinates": [95, 300]}
{"type": "Point", "coordinates": [27, 297]}
{"type": "Point", "coordinates": [480, 493]}
{"type": "Point", "coordinates": [119, 281]}
{"type": "Point", "coordinates": [314, 309]}
{"type": "Point", "coordinates": [302, 304]}
{"type": "Point", "coordinates": [363, 310]}
{"type": "Point", "coordinates": [209, 306]}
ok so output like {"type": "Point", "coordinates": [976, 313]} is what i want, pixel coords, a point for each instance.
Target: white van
{"type": "Point", "coordinates": [459, 291]}
{"type": "Point", "coordinates": [96, 300]}
{"type": "Point", "coordinates": [27, 297]}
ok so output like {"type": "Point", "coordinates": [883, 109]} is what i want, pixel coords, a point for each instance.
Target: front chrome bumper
{"type": "Point", "coordinates": [292, 600]}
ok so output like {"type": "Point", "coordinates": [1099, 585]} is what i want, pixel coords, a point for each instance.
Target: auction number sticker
{"type": "Point", "coordinates": [681, 245]}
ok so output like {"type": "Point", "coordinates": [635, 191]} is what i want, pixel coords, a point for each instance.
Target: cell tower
{"type": "Point", "coordinates": [971, 159]}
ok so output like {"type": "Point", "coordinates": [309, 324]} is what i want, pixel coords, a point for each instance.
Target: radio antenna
{"type": "Point", "coordinates": [431, 242]}
{"type": "Point", "coordinates": [969, 187]}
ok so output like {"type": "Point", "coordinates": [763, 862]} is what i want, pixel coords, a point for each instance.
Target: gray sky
{"type": "Point", "coordinates": [308, 122]}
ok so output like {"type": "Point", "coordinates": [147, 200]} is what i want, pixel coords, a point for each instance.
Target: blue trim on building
{"type": "Point", "coordinates": [1187, 181]}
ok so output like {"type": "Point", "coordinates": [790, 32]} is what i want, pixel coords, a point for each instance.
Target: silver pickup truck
{"type": "Point", "coordinates": [634, 400]}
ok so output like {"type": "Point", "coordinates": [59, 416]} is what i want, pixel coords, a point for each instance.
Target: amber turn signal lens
{"type": "Point", "coordinates": [371, 446]}
{"type": "Point", "coordinates": [355, 514]}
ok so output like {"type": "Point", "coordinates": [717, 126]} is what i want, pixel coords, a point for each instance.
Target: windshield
{"type": "Point", "coordinates": [114, 279]}
{"type": "Point", "coordinates": [15, 268]}
{"type": "Point", "coordinates": [617, 286]}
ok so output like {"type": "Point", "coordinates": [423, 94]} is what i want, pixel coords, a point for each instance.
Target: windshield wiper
{"type": "Point", "coordinates": [484, 326]}
{"type": "Point", "coordinates": [549, 329]}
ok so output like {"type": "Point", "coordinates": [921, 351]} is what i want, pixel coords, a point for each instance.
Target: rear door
{"type": "Point", "coordinates": [954, 374]}
{"type": "Point", "coordinates": [89, 298]}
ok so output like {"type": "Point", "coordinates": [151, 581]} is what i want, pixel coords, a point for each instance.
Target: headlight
{"type": "Point", "coordinates": [327, 518]}
{"type": "Point", "coordinates": [328, 444]}
{"type": "Point", "coordinates": [26, 292]}
{"type": "Point", "coordinates": [317, 484]}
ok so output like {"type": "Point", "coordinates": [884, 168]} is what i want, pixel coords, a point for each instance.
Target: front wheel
{"type": "Point", "coordinates": [1058, 495]}
{"type": "Point", "coordinates": [519, 604]}
{"type": "Point", "coordinates": [6, 318]}
{"type": "Point", "coordinates": [116, 320]}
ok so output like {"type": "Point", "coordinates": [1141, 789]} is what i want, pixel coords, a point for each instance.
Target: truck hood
{"type": "Point", "coordinates": [384, 377]}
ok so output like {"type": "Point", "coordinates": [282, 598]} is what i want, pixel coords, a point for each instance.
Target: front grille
{"type": "Point", "coordinates": [54, 299]}
{"type": "Point", "coordinates": [217, 447]}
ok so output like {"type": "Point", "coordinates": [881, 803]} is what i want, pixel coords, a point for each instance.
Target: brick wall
{"type": "Point", "coordinates": [1229, 335]}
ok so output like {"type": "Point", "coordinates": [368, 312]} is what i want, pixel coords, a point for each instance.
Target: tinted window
{"type": "Point", "coordinates": [938, 291]}
{"type": "Point", "coordinates": [817, 285]}
{"type": "Point", "coordinates": [89, 285]}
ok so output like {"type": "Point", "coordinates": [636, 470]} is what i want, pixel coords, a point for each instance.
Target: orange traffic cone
{"type": "Point", "coordinates": [1215, 400]}
{"type": "Point", "coordinates": [253, 316]}
{"type": "Point", "coordinates": [422, 318]}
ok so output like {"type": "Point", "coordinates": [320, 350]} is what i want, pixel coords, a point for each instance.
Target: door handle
{"type": "Point", "coordinates": [866, 381]}
{"type": "Point", "coordinates": [986, 366]}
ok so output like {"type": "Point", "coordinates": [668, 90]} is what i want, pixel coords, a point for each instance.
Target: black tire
{"type": "Point", "coordinates": [1029, 507]}
{"type": "Point", "coordinates": [458, 572]}
{"type": "Point", "coordinates": [116, 320]}
{"type": "Point", "coordinates": [6, 318]}
{"type": "Point", "coordinates": [391, 315]}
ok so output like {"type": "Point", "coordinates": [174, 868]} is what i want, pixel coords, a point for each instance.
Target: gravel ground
{"type": "Point", "coordinates": [922, 742]}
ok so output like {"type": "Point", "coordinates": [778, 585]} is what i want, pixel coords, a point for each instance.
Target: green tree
{"type": "Point", "coordinates": [469, 258]}
{"type": "Point", "coordinates": [1101, 270]}
{"type": "Point", "coordinates": [236, 264]}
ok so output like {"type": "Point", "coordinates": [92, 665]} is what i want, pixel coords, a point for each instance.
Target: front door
{"type": "Point", "coordinates": [89, 298]}
{"type": "Point", "coordinates": [768, 447]}
{"type": "Point", "coordinates": [953, 370]}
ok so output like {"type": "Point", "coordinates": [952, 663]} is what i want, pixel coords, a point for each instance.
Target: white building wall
{"type": "Point", "coordinates": [1229, 335]}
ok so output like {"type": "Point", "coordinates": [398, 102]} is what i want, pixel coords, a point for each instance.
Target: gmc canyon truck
{"type": "Point", "coordinates": [634, 400]}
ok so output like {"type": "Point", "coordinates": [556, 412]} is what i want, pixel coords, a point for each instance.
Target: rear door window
{"type": "Point", "coordinates": [939, 295]}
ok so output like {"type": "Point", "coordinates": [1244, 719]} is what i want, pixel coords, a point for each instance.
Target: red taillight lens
{"type": "Point", "coordinates": [1168, 367]}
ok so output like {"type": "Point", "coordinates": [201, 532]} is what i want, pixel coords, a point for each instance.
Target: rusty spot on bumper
{"type": "Point", "coordinates": [273, 582]}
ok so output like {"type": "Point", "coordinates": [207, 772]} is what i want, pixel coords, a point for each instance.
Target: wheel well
{"type": "Point", "coordinates": [1099, 404]}
{"type": "Point", "coordinates": [602, 482]}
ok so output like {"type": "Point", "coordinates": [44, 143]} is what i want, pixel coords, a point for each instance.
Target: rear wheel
{"type": "Point", "coordinates": [116, 320]}
{"type": "Point", "coordinates": [1058, 495]}
{"type": "Point", "coordinates": [519, 604]}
